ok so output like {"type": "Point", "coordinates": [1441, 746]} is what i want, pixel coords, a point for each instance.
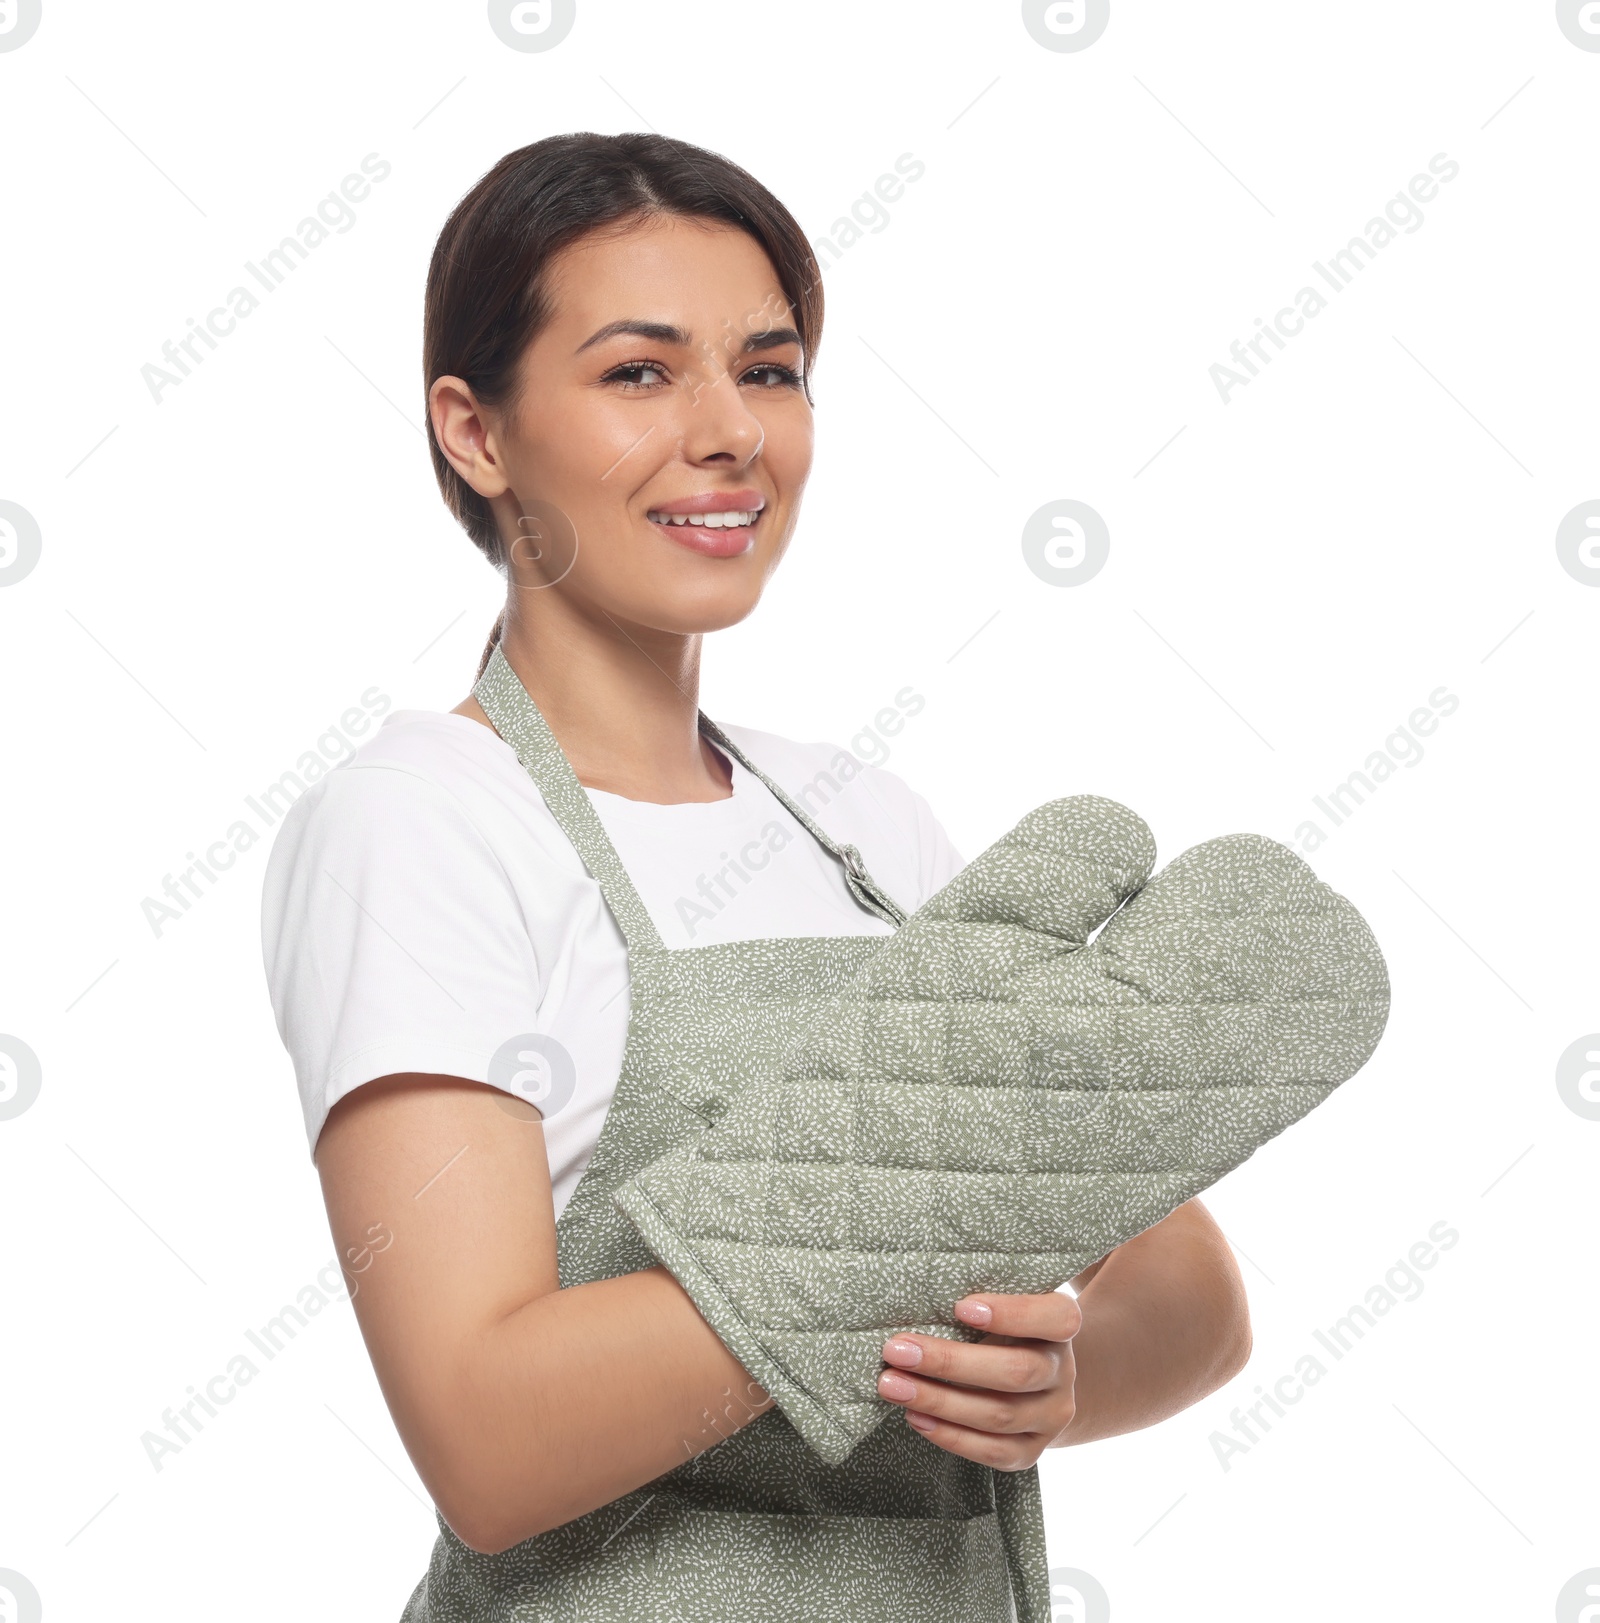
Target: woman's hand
{"type": "Point", "coordinates": [1001, 1401]}
{"type": "Point", "coordinates": [1167, 1323]}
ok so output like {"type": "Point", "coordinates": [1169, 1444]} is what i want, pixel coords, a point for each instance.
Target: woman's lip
{"type": "Point", "coordinates": [709, 543]}
{"type": "Point", "coordinates": [716, 501]}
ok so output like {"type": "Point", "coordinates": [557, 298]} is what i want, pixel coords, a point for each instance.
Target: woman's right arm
{"type": "Point", "coordinates": [522, 1405]}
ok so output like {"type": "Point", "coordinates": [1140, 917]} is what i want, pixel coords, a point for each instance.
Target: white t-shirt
{"type": "Point", "coordinates": [421, 907]}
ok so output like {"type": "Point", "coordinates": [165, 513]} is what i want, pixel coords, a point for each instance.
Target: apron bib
{"type": "Point", "coordinates": [755, 1529]}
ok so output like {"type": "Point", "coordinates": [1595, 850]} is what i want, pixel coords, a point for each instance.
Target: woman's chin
{"type": "Point", "coordinates": [714, 617]}
{"type": "Point", "coordinates": [684, 597]}
{"type": "Point", "coordinates": [687, 614]}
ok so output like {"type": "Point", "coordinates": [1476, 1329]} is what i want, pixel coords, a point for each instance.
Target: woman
{"type": "Point", "coordinates": [573, 889]}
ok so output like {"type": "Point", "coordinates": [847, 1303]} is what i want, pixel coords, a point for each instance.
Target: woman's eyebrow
{"type": "Point", "coordinates": [659, 332]}
{"type": "Point", "coordinates": [771, 338]}
{"type": "Point", "coordinates": [662, 332]}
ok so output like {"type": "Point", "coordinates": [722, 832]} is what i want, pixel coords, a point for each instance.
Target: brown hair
{"type": "Point", "coordinates": [487, 299]}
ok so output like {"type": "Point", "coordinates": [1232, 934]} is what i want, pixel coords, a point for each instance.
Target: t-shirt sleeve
{"type": "Point", "coordinates": [939, 860]}
{"type": "Point", "coordinates": [392, 938]}
{"type": "Point", "coordinates": [909, 826]}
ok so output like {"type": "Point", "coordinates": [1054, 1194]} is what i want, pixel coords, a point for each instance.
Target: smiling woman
{"type": "Point", "coordinates": [498, 1011]}
{"type": "Point", "coordinates": [609, 309]}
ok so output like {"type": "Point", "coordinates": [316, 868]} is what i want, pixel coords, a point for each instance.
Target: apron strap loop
{"type": "Point", "coordinates": [863, 887]}
{"type": "Point", "coordinates": [516, 718]}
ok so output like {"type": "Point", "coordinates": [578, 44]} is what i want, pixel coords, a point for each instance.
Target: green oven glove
{"type": "Point", "coordinates": [995, 1101]}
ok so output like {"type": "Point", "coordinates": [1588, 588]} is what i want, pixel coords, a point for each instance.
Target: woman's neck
{"type": "Point", "coordinates": [622, 701]}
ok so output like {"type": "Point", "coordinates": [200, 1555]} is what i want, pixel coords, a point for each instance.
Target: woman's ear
{"type": "Point", "coordinates": [466, 436]}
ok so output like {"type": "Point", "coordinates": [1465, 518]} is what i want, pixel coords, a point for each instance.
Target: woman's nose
{"type": "Point", "coordinates": [715, 420]}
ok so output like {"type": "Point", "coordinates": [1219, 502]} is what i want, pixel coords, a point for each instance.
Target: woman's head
{"type": "Point", "coordinates": [620, 330]}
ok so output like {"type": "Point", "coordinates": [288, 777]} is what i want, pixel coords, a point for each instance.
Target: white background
{"type": "Point", "coordinates": [1371, 519]}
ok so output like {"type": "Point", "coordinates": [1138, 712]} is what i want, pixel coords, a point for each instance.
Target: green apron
{"type": "Point", "coordinates": [757, 1527]}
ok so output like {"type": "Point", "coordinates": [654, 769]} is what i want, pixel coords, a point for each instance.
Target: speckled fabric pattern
{"type": "Point", "coordinates": [995, 1101]}
{"type": "Point", "coordinates": [753, 1527]}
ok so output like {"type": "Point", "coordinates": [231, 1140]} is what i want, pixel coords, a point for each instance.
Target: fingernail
{"type": "Point", "coordinates": [896, 1386]}
{"type": "Point", "coordinates": [975, 1312]}
{"type": "Point", "coordinates": [897, 1351]}
{"type": "Point", "coordinates": [921, 1421]}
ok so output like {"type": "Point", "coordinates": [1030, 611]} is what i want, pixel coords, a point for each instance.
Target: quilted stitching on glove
{"type": "Point", "coordinates": [997, 1101]}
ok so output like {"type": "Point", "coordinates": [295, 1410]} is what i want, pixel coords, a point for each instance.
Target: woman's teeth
{"type": "Point", "coordinates": [712, 521]}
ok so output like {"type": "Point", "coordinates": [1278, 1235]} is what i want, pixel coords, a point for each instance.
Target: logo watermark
{"type": "Point", "coordinates": [868, 213]}
{"type": "Point", "coordinates": [19, 20]}
{"type": "Point", "coordinates": [546, 544]}
{"type": "Point", "coordinates": [1577, 541]}
{"type": "Point", "coordinates": [20, 541]}
{"type": "Point", "coordinates": [1077, 1597]}
{"type": "Point", "coordinates": [532, 25]}
{"type": "Point", "coordinates": [183, 1422]}
{"type": "Point", "coordinates": [714, 891]}
{"type": "Point", "coordinates": [182, 357]}
{"type": "Point", "coordinates": [1401, 748]}
{"type": "Point", "coordinates": [868, 747]}
{"type": "Point", "coordinates": [1579, 1600]}
{"type": "Point", "coordinates": [1577, 1077]}
{"type": "Point", "coordinates": [732, 1415]}
{"type": "Point", "coordinates": [21, 1077]}
{"type": "Point", "coordinates": [1066, 543]}
{"type": "Point", "coordinates": [1401, 214]}
{"type": "Point", "coordinates": [19, 1600]}
{"type": "Point", "coordinates": [534, 1069]}
{"type": "Point", "coordinates": [334, 745]}
{"type": "Point", "coordinates": [1066, 25]}
{"type": "Point", "coordinates": [1400, 1283]}
{"type": "Point", "coordinates": [1579, 20]}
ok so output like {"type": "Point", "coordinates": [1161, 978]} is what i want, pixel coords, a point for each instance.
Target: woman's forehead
{"type": "Point", "coordinates": [701, 275]}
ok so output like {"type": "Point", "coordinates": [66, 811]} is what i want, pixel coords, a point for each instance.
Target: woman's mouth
{"type": "Point", "coordinates": [721, 533]}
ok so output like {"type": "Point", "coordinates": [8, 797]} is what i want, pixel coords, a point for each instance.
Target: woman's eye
{"type": "Point", "coordinates": [773, 376]}
{"type": "Point", "coordinates": [642, 376]}
{"type": "Point", "coordinates": [637, 375]}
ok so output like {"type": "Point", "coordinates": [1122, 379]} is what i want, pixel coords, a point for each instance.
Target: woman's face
{"type": "Point", "coordinates": [653, 464]}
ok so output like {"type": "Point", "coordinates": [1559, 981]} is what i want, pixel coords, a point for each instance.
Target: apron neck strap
{"type": "Point", "coordinates": [863, 887]}
{"type": "Point", "coordinates": [516, 718]}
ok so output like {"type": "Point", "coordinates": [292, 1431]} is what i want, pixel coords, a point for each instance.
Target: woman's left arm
{"type": "Point", "coordinates": [1158, 1324]}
